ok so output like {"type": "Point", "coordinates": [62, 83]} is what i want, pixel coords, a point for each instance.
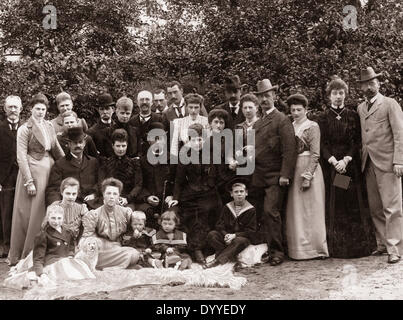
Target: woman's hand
{"type": "Point", "coordinates": [306, 184]}
{"type": "Point", "coordinates": [170, 251]}
{"type": "Point", "coordinates": [341, 166]}
{"type": "Point", "coordinates": [31, 189]}
{"type": "Point", "coordinates": [89, 197]}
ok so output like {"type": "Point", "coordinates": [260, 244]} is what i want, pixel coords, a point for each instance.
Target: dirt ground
{"type": "Point", "coordinates": [364, 278]}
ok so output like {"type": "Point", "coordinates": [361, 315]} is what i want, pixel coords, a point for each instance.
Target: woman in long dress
{"type": "Point", "coordinates": [349, 227]}
{"type": "Point", "coordinates": [305, 213]}
{"type": "Point", "coordinates": [37, 147]}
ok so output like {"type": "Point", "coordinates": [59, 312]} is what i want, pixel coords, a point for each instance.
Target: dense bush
{"type": "Point", "coordinates": [297, 44]}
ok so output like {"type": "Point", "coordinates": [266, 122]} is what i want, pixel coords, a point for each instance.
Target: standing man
{"type": "Point", "coordinates": [143, 120]}
{"type": "Point", "coordinates": [105, 108]}
{"type": "Point", "coordinates": [275, 158]}
{"type": "Point", "coordinates": [232, 91]}
{"type": "Point", "coordinates": [160, 102]}
{"type": "Point", "coordinates": [8, 168]}
{"type": "Point", "coordinates": [382, 160]}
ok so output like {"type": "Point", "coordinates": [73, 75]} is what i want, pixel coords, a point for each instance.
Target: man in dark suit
{"type": "Point", "coordinates": [106, 108]}
{"type": "Point", "coordinates": [78, 165]}
{"type": "Point", "coordinates": [8, 168]}
{"type": "Point", "coordinates": [275, 158]}
{"type": "Point", "coordinates": [143, 120]}
{"type": "Point", "coordinates": [232, 91]}
{"type": "Point", "coordinates": [160, 104]}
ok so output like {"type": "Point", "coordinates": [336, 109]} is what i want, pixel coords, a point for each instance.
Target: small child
{"type": "Point", "coordinates": [172, 242]}
{"type": "Point", "coordinates": [51, 245]}
{"type": "Point", "coordinates": [235, 226]}
{"type": "Point", "coordinates": [140, 239]}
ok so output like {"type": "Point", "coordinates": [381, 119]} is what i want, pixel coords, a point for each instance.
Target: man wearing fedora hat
{"type": "Point", "coordinates": [105, 108]}
{"type": "Point", "coordinates": [382, 162]}
{"type": "Point", "coordinates": [232, 91]}
{"type": "Point", "coordinates": [78, 165]}
{"type": "Point", "coordinates": [275, 158]}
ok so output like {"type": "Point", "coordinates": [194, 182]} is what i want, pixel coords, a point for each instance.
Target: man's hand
{"type": "Point", "coordinates": [171, 202]}
{"type": "Point", "coordinates": [89, 197]}
{"type": "Point", "coordinates": [229, 237]}
{"type": "Point", "coordinates": [1, 187]}
{"type": "Point", "coordinates": [233, 164]}
{"type": "Point", "coordinates": [398, 170]}
{"type": "Point", "coordinates": [153, 200]}
{"type": "Point", "coordinates": [170, 251]}
{"type": "Point", "coordinates": [283, 181]}
{"type": "Point", "coordinates": [123, 201]}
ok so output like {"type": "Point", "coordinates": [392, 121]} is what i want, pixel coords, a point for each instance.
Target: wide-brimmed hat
{"type": "Point", "coordinates": [368, 74]}
{"type": "Point", "coordinates": [75, 134]}
{"type": "Point", "coordinates": [264, 86]}
{"type": "Point", "coordinates": [232, 82]}
{"type": "Point", "coordinates": [237, 179]}
{"type": "Point", "coordinates": [105, 100]}
{"type": "Point", "coordinates": [297, 98]}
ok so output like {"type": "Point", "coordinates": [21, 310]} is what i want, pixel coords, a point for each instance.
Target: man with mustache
{"type": "Point", "coordinates": [160, 102]}
{"type": "Point", "coordinates": [9, 168]}
{"type": "Point", "coordinates": [143, 120]}
{"type": "Point", "coordinates": [106, 108]}
{"type": "Point", "coordinates": [275, 158]}
{"type": "Point", "coordinates": [232, 91]}
{"type": "Point", "coordinates": [78, 165]}
{"type": "Point", "coordinates": [382, 163]}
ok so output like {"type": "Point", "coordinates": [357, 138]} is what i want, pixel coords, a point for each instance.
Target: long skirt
{"type": "Point", "coordinates": [305, 215]}
{"type": "Point", "coordinates": [29, 211]}
{"type": "Point", "coordinates": [113, 255]}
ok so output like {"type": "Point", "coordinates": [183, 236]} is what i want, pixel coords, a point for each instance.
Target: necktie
{"type": "Point", "coordinates": [233, 112]}
{"type": "Point", "coordinates": [370, 104]}
{"type": "Point", "coordinates": [143, 119]}
{"type": "Point", "coordinates": [180, 115]}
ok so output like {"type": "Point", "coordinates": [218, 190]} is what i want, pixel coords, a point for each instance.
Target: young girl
{"type": "Point", "coordinates": [141, 239]}
{"type": "Point", "coordinates": [171, 242]}
{"type": "Point", "coordinates": [73, 211]}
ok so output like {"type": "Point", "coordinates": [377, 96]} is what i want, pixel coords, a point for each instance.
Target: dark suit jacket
{"type": "Point", "coordinates": [97, 133]}
{"type": "Point", "coordinates": [86, 174]}
{"type": "Point", "coordinates": [232, 122]}
{"type": "Point", "coordinates": [275, 149]}
{"type": "Point", "coordinates": [106, 149]}
{"type": "Point", "coordinates": [50, 246]}
{"type": "Point", "coordinates": [8, 155]}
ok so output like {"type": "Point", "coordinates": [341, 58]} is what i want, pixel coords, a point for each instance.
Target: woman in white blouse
{"type": "Point", "coordinates": [193, 104]}
{"type": "Point", "coordinates": [37, 149]}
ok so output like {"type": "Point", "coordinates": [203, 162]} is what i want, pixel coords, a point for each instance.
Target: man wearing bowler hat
{"type": "Point", "coordinates": [78, 165]}
{"type": "Point", "coordinates": [382, 162]}
{"type": "Point", "coordinates": [105, 108]}
{"type": "Point", "coordinates": [232, 91]}
{"type": "Point", "coordinates": [275, 158]}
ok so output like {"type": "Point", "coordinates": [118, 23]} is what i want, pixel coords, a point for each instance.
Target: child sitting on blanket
{"type": "Point", "coordinates": [140, 239]}
{"type": "Point", "coordinates": [51, 245]}
{"type": "Point", "coordinates": [171, 242]}
{"type": "Point", "coordinates": [234, 227]}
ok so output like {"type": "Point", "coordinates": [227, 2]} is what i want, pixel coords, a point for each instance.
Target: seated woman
{"type": "Point", "coordinates": [109, 222]}
{"type": "Point", "coordinates": [73, 211]}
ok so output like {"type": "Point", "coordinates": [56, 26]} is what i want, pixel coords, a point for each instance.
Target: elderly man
{"type": "Point", "coordinates": [176, 102]}
{"type": "Point", "coordinates": [64, 103]}
{"type": "Point", "coordinates": [232, 91]}
{"type": "Point", "coordinates": [143, 120]}
{"type": "Point", "coordinates": [275, 158]}
{"type": "Point", "coordinates": [382, 161]}
{"type": "Point", "coordinates": [78, 165]}
{"type": "Point", "coordinates": [9, 168]}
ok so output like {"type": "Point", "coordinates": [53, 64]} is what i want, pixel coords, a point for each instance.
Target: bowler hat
{"type": "Point", "coordinates": [75, 134]}
{"type": "Point", "coordinates": [237, 179]}
{"type": "Point", "coordinates": [368, 74]}
{"type": "Point", "coordinates": [264, 86]}
{"type": "Point", "coordinates": [296, 99]}
{"type": "Point", "coordinates": [232, 82]}
{"type": "Point", "coordinates": [105, 100]}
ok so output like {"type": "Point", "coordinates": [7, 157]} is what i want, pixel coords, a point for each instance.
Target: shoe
{"type": "Point", "coordinates": [379, 252]}
{"type": "Point", "coordinates": [199, 257]}
{"type": "Point", "coordinates": [211, 264]}
{"type": "Point", "coordinates": [393, 258]}
{"type": "Point", "coordinates": [275, 261]}
{"type": "Point", "coordinates": [265, 257]}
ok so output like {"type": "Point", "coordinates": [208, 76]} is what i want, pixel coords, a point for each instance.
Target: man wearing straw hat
{"type": "Point", "coordinates": [382, 161]}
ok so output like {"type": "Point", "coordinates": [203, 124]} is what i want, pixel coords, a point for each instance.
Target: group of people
{"type": "Point", "coordinates": [322, 185]}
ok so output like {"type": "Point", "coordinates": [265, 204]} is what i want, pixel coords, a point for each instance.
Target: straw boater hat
{"type": "Point", "coordinates": [368, 74]}
{"type": "Point", "coordinates": [264, 86]}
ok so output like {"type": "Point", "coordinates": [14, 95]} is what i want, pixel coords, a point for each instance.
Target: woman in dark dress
{"type": "Point", "coordinates": [349, 227]}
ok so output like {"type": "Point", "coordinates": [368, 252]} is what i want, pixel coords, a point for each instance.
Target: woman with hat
{"type": "Point", "coordinates": [349, 230]}
{"type": "Point", "coordinates": [305, 214]}
{"type": "Point", "coordinates": [37, 149]}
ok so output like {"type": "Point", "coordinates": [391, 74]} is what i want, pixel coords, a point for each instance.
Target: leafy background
{"type": "Point", "coordinates": [109, 45]}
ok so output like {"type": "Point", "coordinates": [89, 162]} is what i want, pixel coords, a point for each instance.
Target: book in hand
{"type": "Point", "coordinates": [342, 181]}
